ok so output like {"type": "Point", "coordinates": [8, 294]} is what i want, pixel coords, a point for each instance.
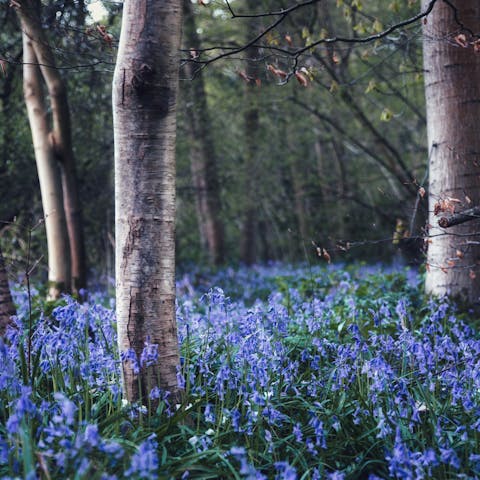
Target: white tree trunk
{"type": "Point", "coordinates": [48, 175]}
{"type": "Point", "coordinates": [144, 104]}
{"type": "Point", "coordinates": [452, 86]}
{"type": "Point", "coordinates": [59, 133]}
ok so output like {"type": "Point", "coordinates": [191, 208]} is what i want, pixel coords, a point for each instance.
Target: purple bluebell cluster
{"type": "Point", "coordinates": [288, 373]}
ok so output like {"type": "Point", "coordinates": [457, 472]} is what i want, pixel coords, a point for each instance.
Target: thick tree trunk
{"type": "Point", "coordinates": [60, 136]}
{"type": "Point", "coordinates": [6, 304]}
{"type": "Point", "coordinates": [203, 157]}
{"type": "Point", "coordinates": [452, 87]}
{"type": "Point", "coordinates": [48, 175]}
{"type": "Point", "coordinates": [144, 105]}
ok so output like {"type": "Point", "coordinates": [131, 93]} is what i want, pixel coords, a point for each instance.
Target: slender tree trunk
{"type": "Point", "coordinates": [252, 123]}
{"type": "Point", "coordinates": [203, 157]}
{"type": "Point", "coordinates": [60, 137]}
{"type": "Point", "coordinates": [145, 88]}
{"type": "Point", "coordinates": [298, 186]}
{"type": "Point", "coordinates": [6, 304]}
{"type": "Point", "coordinates": [320, 164]}
{"type": "Point", "coordinates": [48, 175]}
{"type": "Point", "coordinates": [452, 86]}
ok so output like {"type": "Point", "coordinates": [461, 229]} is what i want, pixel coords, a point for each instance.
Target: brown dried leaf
{"type": "Point", "coordinates": [288, 39]}
{"type": "Point", "coordinates": [421, 192]}
{"type": "Point", "coordinates": [461, 40]}
{"type": "Point", "coordinates": [326, 256]}
{"type": "Point", "coordinates": [277, 72]}
{"type": "Point", "coordinates": [459, 254]}
{"type": "Point", "coordinates": [243, 75]}
{"type": "Point", "coordinates": [302, 79]}
{"type": "Point", "coordinates": [472, 275]}
{"type": "Point", "coordinates": [446, 205]}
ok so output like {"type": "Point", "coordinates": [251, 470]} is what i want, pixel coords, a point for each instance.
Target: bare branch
{"type": "Point", "coordinates": [324, 41]}
{"type": "Point", "coordinates": [278, 13]}
{"type": "Point", "coordinates": [460, 217]}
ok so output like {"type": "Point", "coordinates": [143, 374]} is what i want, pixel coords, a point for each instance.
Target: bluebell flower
{"type": "Point", "coordinates": [131, 357]}
{"type": "Point", "coordinates": [450, 457]}
{"type": "Point", "coordinates": [68, 408]}
{"type": "Point", "coordinates": [336, 476]}
{"type": "Point", "coordinates": [285, 471]}
{"type": "Point", "coordinates": [149, 355]}
{"type": "Point", "coordinates": [4, 450]}
{"type": "Point", "coordinates": [297, 432]}
{"type": "Point", "coordinates": [91, 435]}
{"type": "Point", "coordinates": [13, 424]}
{"type": "Point", "coordinates": [144, 462]}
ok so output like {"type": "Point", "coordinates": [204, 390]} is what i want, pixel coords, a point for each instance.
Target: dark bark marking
{"type": "Point", "coordinates": [142, 78]}
{"type": "Point", "coordinates": [123, 86]}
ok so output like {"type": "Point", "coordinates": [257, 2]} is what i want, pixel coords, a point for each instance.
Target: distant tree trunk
{"type": "Point", "coordinates": [203, 157]}
{"type": "Point", "coordinates": [320, 164]}
{"type": "Point", "coordinates": [6, 304]}
{"type": "Point", "coordinates": [248, 248]}
{"type": "Point", "coordinates": [48, 175]}
{"type": "Point", "coordinates": [452, 86]}
{"type": "Point", "coordinates": [298, 187]}
{"type": "Point", "coordinates": [59, 138]}
{"type": "Point", "coordinates": [145, 88]}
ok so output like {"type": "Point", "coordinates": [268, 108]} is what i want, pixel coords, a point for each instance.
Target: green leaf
{"type": "Point", "coordinates": [377, 26]}
{"type": "Point", "coordinates": [372, 85]}
{"type": "Point", "coordinates": [386, 115]}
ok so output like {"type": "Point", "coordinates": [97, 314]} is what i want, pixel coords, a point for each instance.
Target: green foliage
{"type": "Point", "coordinates": [349, 370]}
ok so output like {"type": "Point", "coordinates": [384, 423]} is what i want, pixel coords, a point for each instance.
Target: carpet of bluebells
{"type": "Point", "coordinates": [288, 373]}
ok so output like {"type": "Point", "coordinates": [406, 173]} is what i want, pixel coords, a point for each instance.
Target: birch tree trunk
{"type": "Point", "coordinates": [6, 304]}
{"type": "Point", "coordinates": [145, 88]}
{"type": "Point", "coordinates": [59, 134]}
{"type": "Point", "coordinates": [203, 157]}
{"type": "Point", "coordinates": [452, 86]}
{"type": "Point", "coordinates": [48, 175]}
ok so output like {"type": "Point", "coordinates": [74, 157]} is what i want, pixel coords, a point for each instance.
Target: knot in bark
{"type": "Point", "coordinates": [142, 77]}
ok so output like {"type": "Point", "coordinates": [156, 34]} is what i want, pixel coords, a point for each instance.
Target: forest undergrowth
{"type": "Point", "coordinates": [338, 372]}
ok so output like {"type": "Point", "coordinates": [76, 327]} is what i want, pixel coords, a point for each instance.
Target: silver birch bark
{"type": "Point", "coordinates": [48, 175]}
{"type": "Point", "coordinates": [452, 87]}
{"type": "Point", "coordinates": [59, 133]}
{"type": "Point", "coordinates": [145, 88]}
